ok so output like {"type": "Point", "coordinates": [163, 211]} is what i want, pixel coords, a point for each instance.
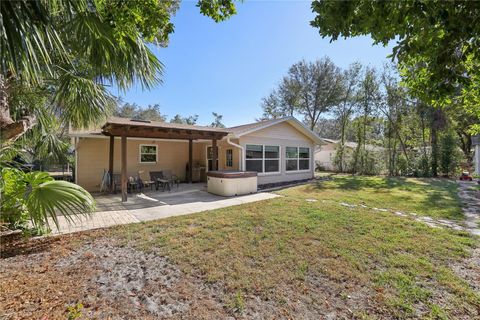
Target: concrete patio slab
{"type": "Point", "coordinates": [150, 206]}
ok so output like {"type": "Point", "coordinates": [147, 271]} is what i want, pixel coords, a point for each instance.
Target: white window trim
{"type": "Point", "coordinates": [263, 173]}
{"type": "Point", "coordinates": [298, 161]}
{"type": "Point", "coordinates": [140, 153]}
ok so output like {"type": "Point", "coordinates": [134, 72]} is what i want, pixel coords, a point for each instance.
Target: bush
{"type": "Point", "coordinates": [35, 197]}
{"type": "Point", "coordinates": [450, 156]}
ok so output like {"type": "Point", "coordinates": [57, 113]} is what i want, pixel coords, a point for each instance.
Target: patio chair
{"type": "Point", "coordinates": [144, 180]}
{"type": "Point", "coordinates": [160, 181]}
{"type": "Point", "coordinates": [172, 179]}
{"type": "Point", "coordinates": [133, 183]}
{"type": "Point", "coordinates": [117, 181]}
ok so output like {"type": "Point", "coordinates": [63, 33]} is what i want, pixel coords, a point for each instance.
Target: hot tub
{"type": "Point", "coordinates": [231, 183]}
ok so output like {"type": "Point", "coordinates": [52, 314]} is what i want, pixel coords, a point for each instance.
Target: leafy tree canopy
{"type": "Point", "coordinates": [184, 120]}
{"type": "Point", "coordinates": [438, 42]}
{"type": "Point", "coordinates": [134, 111]}
{"type": "Point", "coordinates": [217, 120]}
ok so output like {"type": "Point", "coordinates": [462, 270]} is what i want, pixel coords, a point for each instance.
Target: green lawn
{"type": "Point", "coordinates": [430, 197]}
{"type": "Point", "coordinates": [288, 249]}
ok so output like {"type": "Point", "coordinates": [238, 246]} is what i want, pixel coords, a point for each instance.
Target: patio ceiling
{"type": "Point", "coordinates": [159, 130]}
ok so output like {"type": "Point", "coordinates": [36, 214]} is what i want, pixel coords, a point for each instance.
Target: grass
{"type": "Point", "coordinates": [287, 248]}
{"type": "Point", "coordinates": [430, 197]}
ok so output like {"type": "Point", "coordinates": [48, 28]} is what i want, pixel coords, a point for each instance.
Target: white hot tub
{"type": "Point", "coordinates": [231, 183]}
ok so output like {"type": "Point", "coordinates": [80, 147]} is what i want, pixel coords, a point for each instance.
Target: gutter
{"type": "Point", "coordinates": [240, 160]}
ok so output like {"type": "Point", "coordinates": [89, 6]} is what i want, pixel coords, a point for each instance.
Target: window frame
{"type": "Point", "coordinates": [298, 160]}
{"type": "Point", "coordinates": [229, 161]}
{"type": "Point", "coordinates": [279, 159]}
{"type": "Point", "coordinates": [140, 153]}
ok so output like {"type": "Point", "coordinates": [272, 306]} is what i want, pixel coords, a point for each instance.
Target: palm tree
{"type": "Point", "coordinates": [68, 49]}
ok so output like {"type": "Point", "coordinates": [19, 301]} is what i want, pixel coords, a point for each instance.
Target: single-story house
{"type": "Point", "coordinates": [325, 153]}
{"type": "Point", "coordinates": [279, 150]}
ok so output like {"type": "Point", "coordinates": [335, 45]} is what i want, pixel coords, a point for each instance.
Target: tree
{"type": "Point", "coordinates": [448, 152]}
{"type": "Point", "coordinates": [328, 128]}
{"type": "Point", "coordinates": [317, 86]}
{"type": "Point", "coordinates": [75, 47]}
{"type": "Point", "coordinates": [438, 42]}
{"type": "Point", "coordinates": [134, 111]}
{"type": "Point", "coordinates": [217, 121]}
{"type": "Point", "coordinates": [191, 120]}
{"type": "Point", "coordinates": [310, 89]}
{"type": "Point", "coordinates": [346, 107]}
{"type": "Point", "coordinates": [281, 102]}
{"type": "Point", "coordinates": [368, 98]}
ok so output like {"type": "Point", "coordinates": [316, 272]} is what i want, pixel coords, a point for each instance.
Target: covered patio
{"type": "Point", "coordinates": [130, 128]}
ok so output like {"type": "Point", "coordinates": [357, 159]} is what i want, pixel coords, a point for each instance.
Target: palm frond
{"type": "Point", "coordinates": [120, 59]}
{"type": "Point", "coordinates": [28, 39]}
{"type": "Point", "coordinates": [81, 101]}
{"type": "Point", "coordinates": [45, 198]}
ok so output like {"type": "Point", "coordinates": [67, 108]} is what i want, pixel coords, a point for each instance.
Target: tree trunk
{"type": "Point", "coordinates": [11, 130]}
{"type": "Point", "coordinates": [434, 143]}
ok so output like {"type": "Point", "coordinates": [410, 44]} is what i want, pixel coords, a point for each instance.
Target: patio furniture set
{"type": "Point", "coordinates": [164, 180]}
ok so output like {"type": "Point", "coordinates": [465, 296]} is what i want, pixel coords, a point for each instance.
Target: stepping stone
{"type": "Point", "coordinates": [347, 205]}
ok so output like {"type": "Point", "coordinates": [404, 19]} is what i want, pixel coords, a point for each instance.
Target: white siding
{"type": "Point", "coordinates": [283, 135]}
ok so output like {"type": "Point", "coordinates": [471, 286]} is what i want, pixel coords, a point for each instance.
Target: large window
{"type": "Point", "coordinates": [263, 159]}
{"type": "Point", "coordinates": [297, 158]}
{"type": "Point", "coordinates": [148, 153]}
{"type": "Point", "coordinates": [229, 158]}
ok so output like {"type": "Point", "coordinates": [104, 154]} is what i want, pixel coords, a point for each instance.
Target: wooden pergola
{"type": "Point", "coordinates": [125, 128]}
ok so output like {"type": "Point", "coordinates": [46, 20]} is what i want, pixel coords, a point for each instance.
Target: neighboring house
{"type": "Point", "coordinates": [325, 153]}
{"type": "Point", "coordinates": [279, 150]}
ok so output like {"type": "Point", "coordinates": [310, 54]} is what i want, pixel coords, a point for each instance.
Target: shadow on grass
{"type": "Point", "coordinates": [361, 182]}
{"type": "Point", "coordinates": [435, 192]}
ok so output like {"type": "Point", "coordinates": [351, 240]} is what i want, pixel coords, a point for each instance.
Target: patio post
{"type": "Point", "coordinates": [124, 168]}
{"type": "Point", "coordinates": [110, 162]}
{"type": "Point", "coordinates": [190, 160]}
{"type": "Point", "coordinates": [214, 155]}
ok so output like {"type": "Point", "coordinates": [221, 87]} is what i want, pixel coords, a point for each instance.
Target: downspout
{"type": "Point", "coordinates": [76, 159]}
{"type": "Point", "coordinates": [240, 160]}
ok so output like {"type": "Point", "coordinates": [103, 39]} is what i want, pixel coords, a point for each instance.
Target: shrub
{"type": "Point", "coordinates": [36, 197]}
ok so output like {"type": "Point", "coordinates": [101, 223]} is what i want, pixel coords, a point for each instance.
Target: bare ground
{"type": "Point", "coordinates": [41, 278]}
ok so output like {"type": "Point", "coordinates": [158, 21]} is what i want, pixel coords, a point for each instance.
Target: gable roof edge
{"type": "Point", "coordinates": [293, 121]}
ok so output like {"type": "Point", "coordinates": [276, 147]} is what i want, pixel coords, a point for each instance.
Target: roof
{"type": "Point", "coordinates": [353, 145]}
{"type": "Point", "coordinates": [236, 131]}
{"type": "Point", "coordinates": [242, 130]}
{"type": "Point", "coordinates": [116, 127]}
{"type": "Point", "coordinates": [159, 124]}
{"type": "Point", "coordinates": [142, 123]}
{"type": "Point", "coordinates": [254, 126]}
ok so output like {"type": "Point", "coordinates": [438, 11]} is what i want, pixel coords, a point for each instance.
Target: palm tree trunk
{"type": "Point", "coordinates": [11, 130]}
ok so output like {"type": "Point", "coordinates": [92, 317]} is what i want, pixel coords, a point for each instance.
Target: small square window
{"type": "Point", "coordinates": [148, 153]}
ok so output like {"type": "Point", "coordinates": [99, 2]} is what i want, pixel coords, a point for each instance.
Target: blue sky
{"type": "Point", "coordinates": [228, 67]}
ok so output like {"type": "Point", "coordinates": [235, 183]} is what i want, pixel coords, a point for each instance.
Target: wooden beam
{"type": "Point", "coordinates": [110, 161]}
{"type": "Point", "coordinates": [214, 155]}
{"type": "Point", "coordinates": [124, 168]}
{"type": "Point", "coordinates": [160, 132]}
{"type": "Point", "coordinates": [164, 134]}
{"type": "Point", "coordinates": [190, 161]}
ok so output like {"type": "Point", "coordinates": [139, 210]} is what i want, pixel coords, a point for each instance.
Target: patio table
{"type": "Point", "coordinates": [164, 183]}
